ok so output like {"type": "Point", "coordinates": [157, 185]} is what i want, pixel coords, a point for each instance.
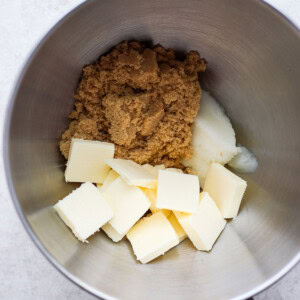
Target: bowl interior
{"type": "Point", "coordinates": [253, 70]}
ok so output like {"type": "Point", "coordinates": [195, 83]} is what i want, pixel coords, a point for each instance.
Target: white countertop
{"type": "Point", "coordinates": [24, 272]}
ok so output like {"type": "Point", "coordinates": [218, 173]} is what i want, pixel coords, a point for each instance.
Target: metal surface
{"type": "Point", "coordinates": [253, 59]}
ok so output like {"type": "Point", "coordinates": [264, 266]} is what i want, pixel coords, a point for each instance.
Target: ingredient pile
{"type": "Point", "coordinates": [143, 100]}
{"type": "Point", "coordinates": [143, 151]}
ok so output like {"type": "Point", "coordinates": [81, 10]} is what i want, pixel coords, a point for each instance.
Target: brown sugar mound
{"type": "Point", "coordinates": [143, 100]}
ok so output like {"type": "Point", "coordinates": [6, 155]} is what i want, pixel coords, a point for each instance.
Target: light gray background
{"type": "Point", "coordinates": [24, 272]}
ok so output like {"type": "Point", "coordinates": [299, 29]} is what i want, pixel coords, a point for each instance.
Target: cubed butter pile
{"type": "Point", "coordinates": [126, 192]}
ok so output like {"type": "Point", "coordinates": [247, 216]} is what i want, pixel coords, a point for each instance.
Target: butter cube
{"type": "Point", "coordinates": [86, 161]}
{"type": "Point", "coordinates": [151, 194]}
{"type": "Point", "coordinates": [132, 173]}
{"type": "Point", "coordinates": [177, 227]}
{"type": "Point", "coordinates": [226, 188]}
{"type": "Point", "coordinates": [205, 225]}
{"type": "Point", "coordinates": [84, 211]}
{"type": "Point", "coordinates": [112, 175]}
{"type": "Point", "coordinates": [151, 237]}
{"type": "Point", "coordinates": [176, 191]}
{"type": "Point", "coordinates": [112, 233]}
{"type": "Point", "coordinates": [128, 203]}
{"type": "Point", "coordinates": [154, 169]}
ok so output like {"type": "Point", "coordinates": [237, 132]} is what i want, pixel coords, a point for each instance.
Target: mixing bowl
{"type": "Point", "coordinates": [253, 56]}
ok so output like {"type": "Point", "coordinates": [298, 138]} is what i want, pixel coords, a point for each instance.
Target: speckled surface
{"type": "Point", "coordinates": [24, 272]}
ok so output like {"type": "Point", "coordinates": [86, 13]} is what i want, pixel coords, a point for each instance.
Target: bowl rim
{"type": "Point", "coordinates": [6, 158]}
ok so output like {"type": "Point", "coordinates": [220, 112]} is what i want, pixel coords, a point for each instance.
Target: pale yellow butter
{"type": "Point", "coordinates": [151, 237]}
{"type": "Point", "coordinates": [205, 225]}
{"type": "Point", "coordinates": [151, 194]}
{"type": "Point", "coordinates": [132, 173]}
{"type": "Point", "coordinates": [112, 233]}
{"type": "Point", "coordinates": [129, 203]}
{"type": "Point", "coordinates": [176, 191]}
{"type": "Point", "coordinates": [112, 175]}
{"type": "Point", "coordinates": [226, 188]}
{"type": "Point", "coordinates": [86, 161]}
{"type": "Point", "coordinates": [154, 169]}
{"type": "Point", "coordinates": [84, 211]}
{"type": "Point", "coordinates": [177, 227]}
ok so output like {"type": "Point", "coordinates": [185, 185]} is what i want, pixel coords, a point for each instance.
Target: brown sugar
{"type": "Point", "coordinates": [143, 100]}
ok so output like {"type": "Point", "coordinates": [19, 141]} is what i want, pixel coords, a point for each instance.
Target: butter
{"type": "Point", "coordinates": [177, 227]}
{"type": "Point", "coordinates": [151, 237]}
{"type": "Point", "coordinates": [112, 175]}
{"type": "Point", "coordinates": [86, 161]}
{"type": "Point", "coordinates": [226, 188]}
{"type": "Point", "coordinates": [205, 225]}
{"type": "Point", "coordinates": [151, 194]}
{"type": "Point", "coordinates": [128, 203]}
{"type": "Point", "coordinates": [154, 169]}
{"type": "Point", "coordinates": [132, 173]}
{"type": "Point", "coordinates": [176, 191]}
{"type": "Point", "coordinates": [112, 233]}
{"type": "Point", "coordinates": [84, 211]}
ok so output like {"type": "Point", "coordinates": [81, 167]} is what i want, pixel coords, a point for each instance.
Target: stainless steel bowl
{"type": "Point", "coordinates": [253, 56]}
